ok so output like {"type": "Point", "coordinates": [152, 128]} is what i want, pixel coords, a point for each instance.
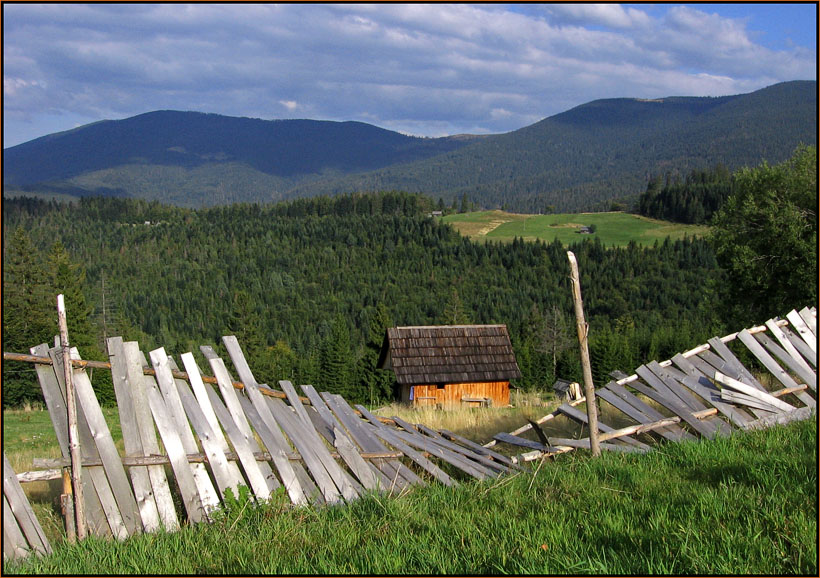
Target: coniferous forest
{"type": "Point", "coordinates": [310, 286]}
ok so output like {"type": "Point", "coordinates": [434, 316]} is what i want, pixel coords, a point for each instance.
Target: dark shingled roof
{"type": "Point", "coordinates": [449, 354]}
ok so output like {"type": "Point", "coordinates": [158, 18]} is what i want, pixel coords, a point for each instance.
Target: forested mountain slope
{"type": "Point", "coordinates": [310, 286]}
{"type": "Point", "coordinates": [608, 149]}
{"type": "Point", "coordinates": [581, 159]}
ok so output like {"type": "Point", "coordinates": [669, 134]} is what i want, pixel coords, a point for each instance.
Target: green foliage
{"type": "Point", "coordinates": [765, 237]}
{"type": "Point", "coordinates": [314, 283]}
{"type": "Point", "coordinates": [693, 200]}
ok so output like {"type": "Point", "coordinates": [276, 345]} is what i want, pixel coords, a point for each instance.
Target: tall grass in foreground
{"type": "Point", "coordinates": [746, 504]}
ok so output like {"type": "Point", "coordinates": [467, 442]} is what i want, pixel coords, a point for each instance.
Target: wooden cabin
{"type": "Point", "coordinates": [451, 365]}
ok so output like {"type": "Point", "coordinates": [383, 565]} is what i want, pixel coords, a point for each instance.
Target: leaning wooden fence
{"type": "Point", "coordinates": [704, 392]}
{"type": "Point", "coordinates": [190, 438]}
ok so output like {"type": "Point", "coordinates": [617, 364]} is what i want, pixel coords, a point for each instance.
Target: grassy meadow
{"type": "Point", "coordinates": [745, 504]}
{"type": "Point", "coordinates": [613, 229]}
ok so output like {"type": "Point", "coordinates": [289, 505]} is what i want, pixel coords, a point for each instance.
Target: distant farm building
{"type": "Point", "coordinates": [451, 365]}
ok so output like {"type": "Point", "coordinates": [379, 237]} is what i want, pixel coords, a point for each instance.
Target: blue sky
{"type": "Point", "coordinates": [423, 69]}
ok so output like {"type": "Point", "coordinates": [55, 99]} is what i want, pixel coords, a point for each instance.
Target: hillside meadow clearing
{"type": "Point", "coordinates": [613, 229]}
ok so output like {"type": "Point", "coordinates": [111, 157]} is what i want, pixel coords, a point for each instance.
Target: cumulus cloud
{"type": "Point", "coordinates": [417, 68]}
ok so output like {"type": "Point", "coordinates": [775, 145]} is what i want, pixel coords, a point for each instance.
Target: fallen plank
{"type": "Point", "coordinates": [364, 472]}
{"type": "Point", "coordinates": [432, 435]}
{"type": "Point", "coordinates": [167, 386]}
{"type": "Point", "coordinates": [774, 368]}
{"type": "Point", "coordinates": [677, 408]}
{"type": "Point", "coordinates": [276, 442]}
{"type": "Point", "coordinates": [55, 402]}
{"type": "Point", "coordinates": [633, 407]}
{"type": "Point", "coordinates": [21, 509]}
{"type": "Point", "coordinates": [802, 329]}
{"type": "Point", "coordinates": [782, 418]}
{"type": "Point", "coordinates": [582, 418]}
{"type": "Point", "coordinates": [233, 420]}
{"type": "Point", "coordinates": [696, 381]}
{"type": "Point", "coordinates": [788, 353]}
{"type": "Point", "coordinates": [140, 479]}
{"type": "Point", "coordinates": [748, 390]}
{"type": "Point", "coordinates": [479, 448]}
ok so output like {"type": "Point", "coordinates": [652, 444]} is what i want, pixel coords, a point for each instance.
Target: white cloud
{"type": "Point", "coordinates": [417, 68]}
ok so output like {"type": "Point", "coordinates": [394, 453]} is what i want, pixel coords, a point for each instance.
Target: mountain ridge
{"type": "Point", "coordinates": [580, 159]}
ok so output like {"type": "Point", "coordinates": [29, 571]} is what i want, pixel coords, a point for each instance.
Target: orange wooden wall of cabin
{"type": "Point", "coordinates": [451, 394]}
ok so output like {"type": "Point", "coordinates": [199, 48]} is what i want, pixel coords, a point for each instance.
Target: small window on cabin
{"type": "Point", "coordinates": [440, 385]}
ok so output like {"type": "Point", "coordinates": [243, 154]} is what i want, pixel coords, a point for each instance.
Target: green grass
{"type": "Point", "coordinates": [613, 229]}
{"type": "Point", "coordinates": [746, 504]}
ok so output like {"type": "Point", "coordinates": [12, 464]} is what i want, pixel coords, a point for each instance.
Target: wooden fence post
{"type": "Point", "coordinates": [73, 431]}
{"type": "Point", "coordinates": [583, 330]}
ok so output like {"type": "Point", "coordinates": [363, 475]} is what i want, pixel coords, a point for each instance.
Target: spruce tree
{"type": "Point", "coordinates": [29, 315]}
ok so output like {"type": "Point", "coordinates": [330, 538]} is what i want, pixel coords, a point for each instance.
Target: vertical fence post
{"type": "Point", "coordinates": [73, 431]}
{"type": "Point", "coordinates": [583, 331]}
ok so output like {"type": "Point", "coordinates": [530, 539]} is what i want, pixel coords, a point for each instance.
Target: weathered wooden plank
{"type": "Point", "coordinates": [478, 448]}
{"type": "Point", "coordinates": [782, 418]}
{"type": "Point", "coordinates": [317, 458]}
{"type": "Point", "coordinates": [522, 442]}
{"type": "Point", "coordinates": [440, 440]}
{"type": "Point", "coordinates": [206, 410]}
{"type": "Point", "coordinates": [700, 384]}
{"type": "Point", "coordinates": [167, 386]}
{"type": "Point", "coordinates": [198, 387]}
{"type": "Point", "coordinates": [669, 377]}
{"type": "Point", "coordinates": [584, 444]}
{"type": "Point", "coordinates": [114, 470]}
{"type": "Point", "coordinates": [55, 402]}
{"type": "Point", "coordinates": [176, 453]}
{"type": "Point", "coordinates": [138, 383]}
{"type": "Point", "coordinates": [20, 507]}
{"type": "Point", "coordinates": [143, 492]}
{"type": "Point", "coordinates": [617, 402]}
{"type": "Point", "coordinates": [390, 469]}
{"type": "Point", "coordinates": [743, 399]}
{"type": "Point", "coordinates": [304, 413]}
{"type": "Point", "coordinates": [361, 469]}
{"type": "Point", "coordinates": [675, 407]}
{"type": "Point", "coordinates": [580, 416]}
{"type": "Point", "coordinates": [809, 316]}
{"type": "Point", "coordinates": [398, 473]}
{"type": "Point", "coordinates": [744, 374]}
{"type": "Point", "coordinates": [788, 353]}
{"type": "Point", "coordinates": [776, 351]}
{"type": "Point", "coordinates": [14, 542]}
{"type": "Point", "coordinates": [774, 368]}
{"type": "Point", "coordinates": [260, 476]}
{"type": "Point", "coordinates": [801, 346]}
{"type": "Point", "coordinates": [748, 390]}
{"type": "Point", "coordinates": [295, 402]}
{"type": "Point", "coordinates": [310, 492]}
{"type": "Point", "coordinates": [225, 473]}
{"type": "Point", "coordinates": [349, 487]}
{"type": "Point", "coordinates": [367, 474]}
{"type": "Point", "coordinates": [672, 432]}
{"type": "Point", "coordinates": [802, 329]}
{"type": "Point", "coordinates": [655, 381]}
{"type": "Point", "coordinates": [276, 443]}
{"type": "Point", "coordinates": [707, 363]}
{"type": "Point", "coordinates": [417, 457]}
{"type": "Point", "coordinates": [429, 436]}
